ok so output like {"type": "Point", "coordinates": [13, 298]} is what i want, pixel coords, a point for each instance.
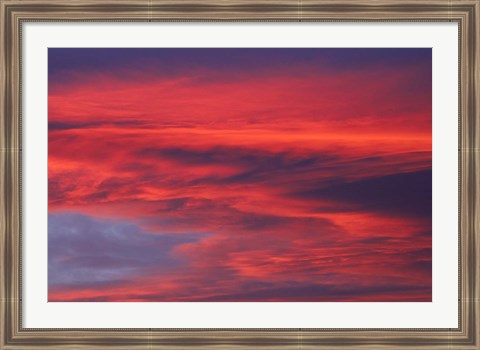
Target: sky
{"type": "Point", "coordinates": [248, 174]}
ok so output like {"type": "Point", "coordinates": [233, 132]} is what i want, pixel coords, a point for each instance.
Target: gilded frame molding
{"type": "Point", "coordinates": [13, 13]}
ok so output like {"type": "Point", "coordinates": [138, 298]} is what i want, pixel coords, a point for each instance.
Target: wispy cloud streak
{"type": "Point", "coordinates": [277, 175]}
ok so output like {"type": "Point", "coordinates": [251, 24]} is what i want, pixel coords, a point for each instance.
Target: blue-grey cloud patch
{"type": "Point", "coordinates": [83, 250]}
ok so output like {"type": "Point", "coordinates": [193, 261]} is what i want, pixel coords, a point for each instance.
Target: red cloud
{"type": "Point", "coordinates": [234, 159]}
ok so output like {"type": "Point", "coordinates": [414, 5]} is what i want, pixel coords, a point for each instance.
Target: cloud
{"type": "Point", "coordinates": [93, 259]}
{"type": "Point", "coordinates": [273, 174]}
{"type": "Point", "coordinates": [396, 194]}
{"type": "Point", "coordinates": [84, 250]}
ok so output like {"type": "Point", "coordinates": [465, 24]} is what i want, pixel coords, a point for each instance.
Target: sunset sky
{"type": "Point", "coordinates": [240, 174]}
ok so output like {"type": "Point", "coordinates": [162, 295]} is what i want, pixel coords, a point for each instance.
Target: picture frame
{"type": "Point", "coordinates": [15, 13]}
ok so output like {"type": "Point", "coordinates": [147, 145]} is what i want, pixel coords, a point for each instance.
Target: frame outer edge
{"type": "Point", "coordinates": [12, 336]}
{"type": "Point", "coordinates": [475, 156]}
{"type": "Point", "coordinates": [10, 177]}
{"type": "Point", "coordinates": [7, 263]}
{"type": "Point", "coordinates": [470, 169]}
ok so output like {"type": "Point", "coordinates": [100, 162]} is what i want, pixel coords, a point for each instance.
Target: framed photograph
{"type": "Point", "coordinates": [211, 175]}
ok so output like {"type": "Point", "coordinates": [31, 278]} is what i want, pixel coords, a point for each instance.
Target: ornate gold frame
{"type": "Point", "coordinates": [13, 13]}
